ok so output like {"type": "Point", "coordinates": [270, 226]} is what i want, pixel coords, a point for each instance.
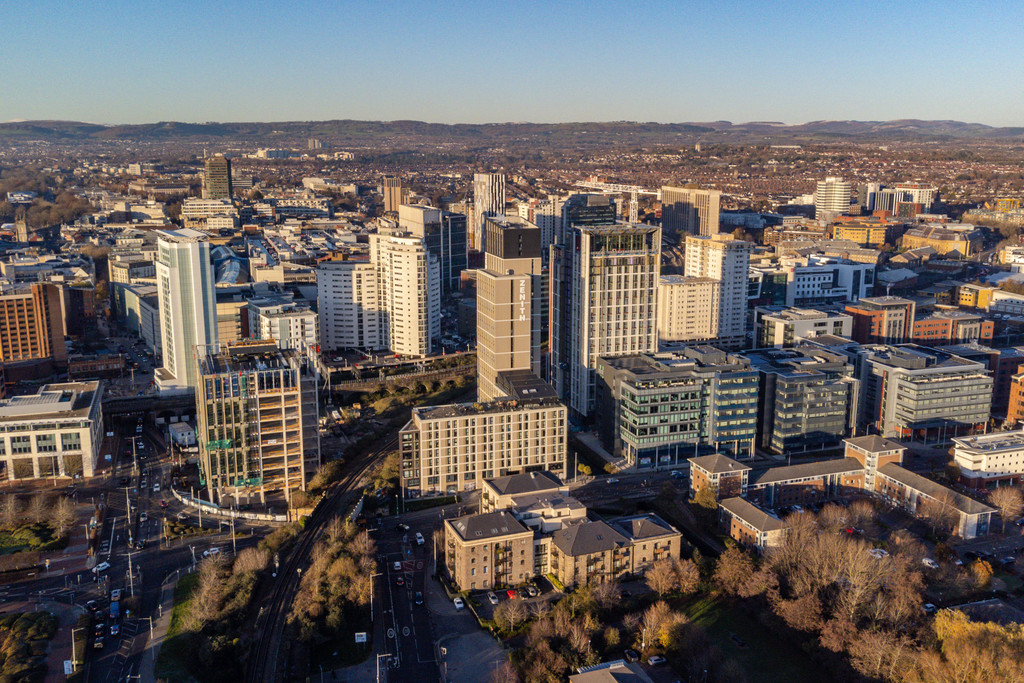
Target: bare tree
{"type": "Point", "coordinates": [38, 508]}
{"type": "Point", "coordinates": [510, 614]}
{"type": "Point", "coordinates": [940, 513]}
{"type": "Point", "coordinates": [251, 560]}
{"type": "Point", "coordinates": [688, 576]}
{"type": "Point", "coordinates": [506, 673]}
{"type": "Point", "coordinates": [732, 569]}
{"type": "Point", "coordinates": [607, 594]}
{"type": "Point", "coordinates": [1008, 500]}
{"type": "Point", "coordinates": [9, 509]}
{"type": "Point", "coordinates": [661, 577]}
{"type": "Point", "coordinates": [62, 515]}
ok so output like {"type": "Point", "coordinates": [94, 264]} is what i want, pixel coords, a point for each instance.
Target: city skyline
{"type": "Point", "coordinates": [664, 62]}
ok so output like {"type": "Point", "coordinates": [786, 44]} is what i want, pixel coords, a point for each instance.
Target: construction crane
{"type": "Point", "coordinates": [633, 190]}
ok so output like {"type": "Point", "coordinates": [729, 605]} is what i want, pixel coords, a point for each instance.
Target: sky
{"type": "Point", "coordinates": [482, 61]}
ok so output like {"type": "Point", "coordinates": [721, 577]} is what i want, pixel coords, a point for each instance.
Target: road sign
{"type": "Point", "coordinates": [69, 667]}
{"type": "Point", "coordinates": [361, 637]}
{"type": "Point", "coordinates": [391, 633]}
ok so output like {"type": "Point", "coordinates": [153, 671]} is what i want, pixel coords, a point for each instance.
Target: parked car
{"type": "Point", "coordinates": [877, 553]}
{"type": "Point", "coordinates": [511, 593]}
{"type": "Point", "coordinates": [631, 655]}
{"type": "Point", "coordinates": [656, 660]}
{"type": "Point", "coordinates": [101, 567]}
{"type": "Point", "coordinates": [532, 591]}
{"type": "Point", "coordinates": [459, 604]}
{"type": "Point", "coordinates": [492, 598]}
{"type": "Point", "coordinates": [928, 608]}
{"type": "Point", "coordinates": [930, 563]}
{"type": "Point", "coordinates": [523, 593]}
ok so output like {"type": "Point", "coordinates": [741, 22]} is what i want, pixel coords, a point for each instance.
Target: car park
{"type": "Point", "coordinates": [492, 598]}
{"type": "Point", "coordinates": [459, 604]}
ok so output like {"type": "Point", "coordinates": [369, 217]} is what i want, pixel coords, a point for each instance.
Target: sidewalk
{"type": "Point", "coordinates": [161, 623]}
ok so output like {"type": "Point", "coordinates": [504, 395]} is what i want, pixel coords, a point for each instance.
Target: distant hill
{"type": "Point", "coordinates": [579, 135]}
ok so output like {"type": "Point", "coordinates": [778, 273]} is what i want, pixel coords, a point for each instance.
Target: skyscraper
{"type": "Point", "coordinates": [488, 200]}
{"type": "Point", "coordinates": [604, 303]}
{"type": "Point", "coordinates": [509, 305]}
{"type": "Point", "coordinates": [831, 198]}
{"type": "Point", "coordinates": [409, 291]}
{"type": "Point", "coordinates": [188, 307]}
{"type": "Point", "coordinates": [349, 306]}
{"type": "Point", "coordinates": [726, 260]}
{"type": "Point", "coordinates": [689, 211]}
{"type": "Point", "coordinates": [444, 235]}
{"type": "Point", "coordinates": [394, 194]}
{"type": "Point", "coordinates": [217, 178]}
{"type": "Point", "coordinates": [257, 412]}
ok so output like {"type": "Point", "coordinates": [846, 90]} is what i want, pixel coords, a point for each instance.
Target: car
{"type": "Point", "coordinates": [928, 608]}
{"type": "Point", "coordinates": [211, 552]}
{"type": "Point", "coordinates": [99, 629]}
{"type": "Point", "coordinates": [459, 604]}
{"type": "Point", "coordinates": [143, 517]}
{"type": "Point", "coordinates": [1007, 561]}
{"type": "Point", "coordinates": [115, 595]}
{"type": "Point", "coordinates": [98, 643]}
{"type": "Point", "coordinates": [853, 531]}
{"type": "Point", "coordinates": [114, 629]}
{"type": "Point", "coordinates": [399, 581]}
{"type": "Point", "coordinates": [532, 591]}
{"type": "Point", "coordinates": [612, 480]}
{"type": "Point", "coordinates": [156, 488]}
{"type": "Point", "coordinates": [180, 516]}
{"type": "Point", "coordinates": [678, 474]}
{"type": "Point", "coordinates": [140, 545]}
{"type": "Point", "coordinates": [492, 598]}
{"type": "Point", "coordinates": [419, 538]}
{"type": "Point", "coordinates": [523, 593]}
{"type": "Point", "coordinates": [101, 567]}
{"type": "Point", "coordinates": [877, 553]}
{"type": "Point", "coordinates": [631, 655]}
{"type": "Point", "coordinates": [511, 593]}
{"type": "Point", "coordinates": [655, 660]}
{"type": "Point", "coordinates": [163, 503]}
{"type": "Point", "coordinates": [401, 527]}
{"type": "Point", "coordinates": [419, 598]}
{"type": "Point", "coordinates": [92, 606]}
{"type": "Point", "coordinates": [397, 567]}
{"type": "Point", "coordinates": [929, 562]}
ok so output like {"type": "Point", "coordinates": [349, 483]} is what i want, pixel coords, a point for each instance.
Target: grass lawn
{"type": "Point", "coordinates": [175, 651]}
{"type": "Point", "coordinates": [765, 657]}
{"type": "Point", "coordinates": [343, 650]}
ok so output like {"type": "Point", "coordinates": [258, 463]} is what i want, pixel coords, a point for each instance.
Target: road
{"type": "Point", "coordinates": [265, 661]}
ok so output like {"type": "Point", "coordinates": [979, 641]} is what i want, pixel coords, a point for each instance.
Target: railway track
{"type": "Point", "coordinates": [273, 618]}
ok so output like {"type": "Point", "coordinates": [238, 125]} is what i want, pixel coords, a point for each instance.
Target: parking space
{"type": "Point", "coordinates": [539, 591]}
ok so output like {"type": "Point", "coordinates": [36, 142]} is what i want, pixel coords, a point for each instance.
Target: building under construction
{"type": "Point", "coordinates": [258, 413]}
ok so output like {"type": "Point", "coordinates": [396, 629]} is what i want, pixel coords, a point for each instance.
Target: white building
{"type": "Point", "coordinates": [188, 307]}
{"type": "Point", "coordinates": [193, 208]}
{"type": "Point", "coordinates": [831, 198]}
{"type": "Point", "coordinates": [604, 303]}
{"type": "Point", "coordinates": [785, 327]}
{"type": "Point", "coordinates": [488, 200]}
{"type": "Point", "coordinates": [53, 433]}
{"type": "Point", "coordinates": [409, 287]}
{"type": "Point", "coordinates": [687, 308]}
{"type": "Point", "coordinates": [727, 260]}
{"type": "Point", "coordinates": [291, 325]}
{"type": "Point", "coordinates": [990, 458]}
{"type": "Point", "coordinates": [349, 306]}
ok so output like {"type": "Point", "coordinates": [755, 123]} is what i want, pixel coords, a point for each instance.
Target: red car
{"type": "Point", "coordinates": [511, 593]}
{"type": "Point", "coordinates": [163, 503]}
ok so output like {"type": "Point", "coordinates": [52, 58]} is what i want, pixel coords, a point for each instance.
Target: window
{"type": "Point", "coordinates": [21, 444]}
{"type": "Point", "coordinates": [71, 441]}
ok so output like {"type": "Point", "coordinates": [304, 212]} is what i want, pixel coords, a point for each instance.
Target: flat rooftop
{"type": "Point", "coordinates": [68, 400]}
{"type": "Point", "coordinates": [993, 443]}
{"type": "Point", "coordinates": [247, 356]}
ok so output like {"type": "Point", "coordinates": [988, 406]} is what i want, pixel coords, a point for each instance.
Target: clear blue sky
{"type": "Point", "coordinates": [485, 61]}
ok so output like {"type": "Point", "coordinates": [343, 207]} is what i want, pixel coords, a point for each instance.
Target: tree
{"type": "Point", "coordinates": [37, 508]}
{"type": "Point", "coordinates": [732, 569]}
{"type": "Point", "coordinates": [585, 470]}
{"type": "Point", "coordinates": [688, 576]}
{"type": "Point", "coordinates": [62, 515]}
{"type": "Point", "coordinates": [941, 513]}
{"type": "Point", "coordinates": [9, 509]}
{"type": "Point", "coordinates": [982, 572]}
{"type": "Point", "coordinates": [661, 577]}
{"type": "Point", "coordinates": [706, 498]}
{"type": "Point", "coordinates": [510, 614]}
{"type": "Point", "coordinates": [1008, 500]}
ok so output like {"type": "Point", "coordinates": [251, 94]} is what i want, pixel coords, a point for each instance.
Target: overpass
{"type": "Point", "coordinates": [378, 381]}
{"type": "Point", "coordinates": [118, 407]}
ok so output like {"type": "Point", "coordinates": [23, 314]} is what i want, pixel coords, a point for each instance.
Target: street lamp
{"type": "Point", "coordinates": [372, 577]}
{"type": "Point", "coordinates": [386, 656]}
{"type": "Point", "coordinates": [74, 656]}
